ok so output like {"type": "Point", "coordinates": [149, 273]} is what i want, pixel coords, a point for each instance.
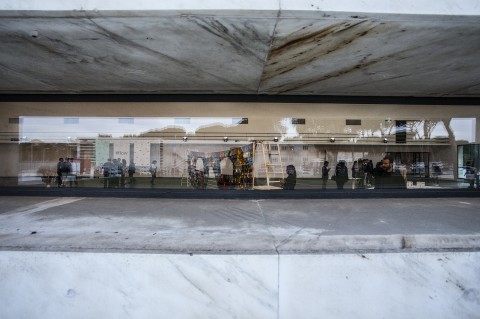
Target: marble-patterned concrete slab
{"type": "Point", "coordinates": [365, 48]}
{"type": "Point", "coordinates": [352, 55]}
{"type": "Point", "coordinates": [125, 285]}
{"type": "Point", "coordinates": [94, 285]}
{"type": "Point", "coordinates": [436, 285]}
{"type": "Point", "coordinates": [197, 53]}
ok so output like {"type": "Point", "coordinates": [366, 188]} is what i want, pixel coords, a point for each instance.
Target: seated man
{"type": "Point", "coordinates": [385, 178]}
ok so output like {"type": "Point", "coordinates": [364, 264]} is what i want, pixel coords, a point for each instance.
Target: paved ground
{"type": "Point", "coordinates": [225, 226]}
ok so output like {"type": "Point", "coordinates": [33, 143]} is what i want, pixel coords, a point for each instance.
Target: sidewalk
{"type": "Point", "coordinates": [226, 226]}
{"type": "Point", "coordinates": [172, 257]}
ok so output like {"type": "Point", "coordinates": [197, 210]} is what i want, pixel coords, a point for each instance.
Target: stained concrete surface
{"type": "Point", "coordinates": [232, 226]}
{"type": "Point", "coordinates": [286, 47]}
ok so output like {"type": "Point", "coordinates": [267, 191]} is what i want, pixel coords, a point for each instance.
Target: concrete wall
{"type": "Point", "coordinates": [131, 285]}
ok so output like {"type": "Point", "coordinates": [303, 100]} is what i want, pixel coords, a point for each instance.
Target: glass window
{"type": "Point", "coordinates": [191, 145]}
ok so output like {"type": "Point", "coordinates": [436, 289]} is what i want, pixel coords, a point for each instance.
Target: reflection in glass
{"type": "Point", "coordinates": [419, 147]}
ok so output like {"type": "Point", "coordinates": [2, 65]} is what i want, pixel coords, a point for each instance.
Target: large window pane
{"type": "Point", "coordinates": [307, 137]}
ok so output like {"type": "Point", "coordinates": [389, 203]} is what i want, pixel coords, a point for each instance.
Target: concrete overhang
{"type": "Point", "coordinates": [321, 48]}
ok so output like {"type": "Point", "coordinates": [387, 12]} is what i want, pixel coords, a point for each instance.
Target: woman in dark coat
{"type": "Point", "coordinates": [341, 174]}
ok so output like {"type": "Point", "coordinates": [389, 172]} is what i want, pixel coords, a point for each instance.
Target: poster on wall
{"type": "Point", "coordinates": [121, 150]}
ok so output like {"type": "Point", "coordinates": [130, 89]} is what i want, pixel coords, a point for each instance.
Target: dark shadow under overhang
{"type": "Point", "coordinates": [406, 100]}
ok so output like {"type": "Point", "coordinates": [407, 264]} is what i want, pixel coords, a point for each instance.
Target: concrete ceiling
{"type": "Point", "coordinates": [274, 52]}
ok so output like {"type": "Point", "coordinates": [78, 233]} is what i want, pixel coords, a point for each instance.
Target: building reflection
{"type": "Point", "coordinates": [419, 147]}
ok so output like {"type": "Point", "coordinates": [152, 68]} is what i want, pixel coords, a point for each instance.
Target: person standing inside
{"type": "Point", "coordinates": [122, 166]}
{"type": "Point", "coordinates": [325, 172]}
{"type": "Point", "coordinates": [65, 168]}
{"type": "Point", "coordinates": [131, 172]}
{"type": "Point", "coordinates": [153, 171]}
{"type": "Point", "coordinates": [362, 164]}
{"type": "Point", "coordinates": [354, 169]}
{"type": "Point", "coordinates": [59, 172]}
{"type": "Point", "coordinates": [477, 178]}
{"type": "Point", "coordinates": [369, 173]}
{"type": "Point", "coordinates": [470, 175]}
{"type": "Point", "coordinates": [69, 178]}
{"type": "Point", "coordinates": [114, 174]}
{"type": "Point", "coordinates": [387, 178]}
{"type": "Point", "coordinates": [436, 172]}
{"type": "Point", "coordinates": [72, 174]}
{"type": "Point", "coordinates": [291, 180]}
{"type": "Point", "coordinates": [341, 174]}
{"type": "Point", "coordinates": [107, 166]}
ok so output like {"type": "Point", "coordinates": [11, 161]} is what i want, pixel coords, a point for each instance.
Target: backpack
{"type": "Point", "coordinates": [64, 167]}
{"type": "Point", "coordinates": [342, 171]}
